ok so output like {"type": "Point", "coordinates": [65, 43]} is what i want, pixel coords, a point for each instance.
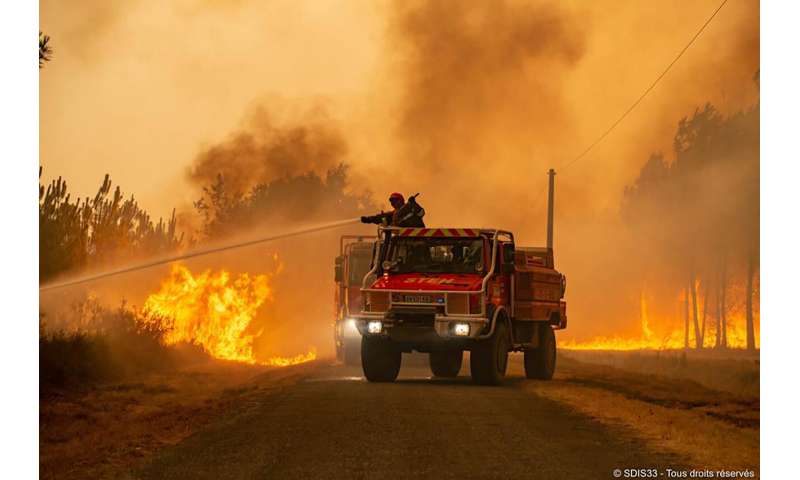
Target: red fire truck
{"type": "Point", "coordinates": [352, 264]}
{"type": "Point", "coordinates": [447, 290]}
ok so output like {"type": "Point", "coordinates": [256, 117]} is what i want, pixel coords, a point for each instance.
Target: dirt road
{"type": "Point", "coordinates": [330, 423]}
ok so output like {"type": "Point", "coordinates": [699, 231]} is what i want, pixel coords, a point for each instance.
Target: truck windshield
{"type": "Point", "coordinates": [359, 266]}
{"type": "Point", "coordinates": [435, 255]}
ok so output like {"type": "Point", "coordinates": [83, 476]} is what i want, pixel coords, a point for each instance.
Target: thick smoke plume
{"type": "Point", "coordinates": [481, 75]}
{"type": "Point", "coordinates": [264, 151]}
{"type": "Point", "coordinates": [480, 101]}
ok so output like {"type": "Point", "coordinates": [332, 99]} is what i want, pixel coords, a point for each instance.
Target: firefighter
{"type": "Point", "coordinates": [404, 214]}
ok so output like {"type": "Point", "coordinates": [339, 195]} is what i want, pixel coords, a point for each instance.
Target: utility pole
{"type": "Point", "coordinates": [550, 200]}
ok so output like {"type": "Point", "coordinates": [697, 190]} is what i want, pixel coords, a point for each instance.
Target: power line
{"type": "Point", "coordinates": [195, 253]}
{"type": "Point", "coordinates": [635, 103]}
{"type": "Point", "coordinates": [209, 251]}
{"type": "Point", "coordinates": [647, 91]}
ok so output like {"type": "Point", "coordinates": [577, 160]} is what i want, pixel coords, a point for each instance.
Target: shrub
{"type": "Point", "coordinates": [94, 344]}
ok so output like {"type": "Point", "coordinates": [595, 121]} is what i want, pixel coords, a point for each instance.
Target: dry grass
{"type": "Point", "coordinates": [735, 371]}
{"type": "Point", "coordinates": [107, 428]}
{"type": "Point", "coordinates": [711, 428]}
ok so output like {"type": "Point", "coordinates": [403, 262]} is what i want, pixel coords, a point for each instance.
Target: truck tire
{"type": "Point", "coordinates": [446, 363]}
{"type": "Point", "coordinates": [540, 362]}
{"type": "Point", "coordinates": [489, 359]}
{"type": "Point", "coordinates": [380, 360]}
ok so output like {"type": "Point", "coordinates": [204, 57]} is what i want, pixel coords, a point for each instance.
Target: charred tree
{"type": "Point", "coordinates": [701, 232]}
{"type": "Point", "coordinates": [717, 316]}
{"type": "Point", "coordinates": [698, 340]}
{"type": "Point", "coordinates": [705, 311]}
{"type": "Point", "coordinates": [686, 318]}
{"type": "Point", "coordinates": [723, 306]}
{"type": "Point", "coordinates": [751, 334]}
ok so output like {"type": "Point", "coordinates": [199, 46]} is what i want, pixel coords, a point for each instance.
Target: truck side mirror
{"type": "Point", "coordinates": [507, 265]}
{"type": "Point", "coordinates": [338, 269]}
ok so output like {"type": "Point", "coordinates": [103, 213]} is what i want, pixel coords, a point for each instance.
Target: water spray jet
{"type": "Point", "coordinates": [197, 253]}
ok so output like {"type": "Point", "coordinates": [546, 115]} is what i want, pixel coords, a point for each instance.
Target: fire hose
{"type": "Point", "coordinates": [196, 253]}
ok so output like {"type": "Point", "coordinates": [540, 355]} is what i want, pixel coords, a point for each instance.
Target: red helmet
{"type": "Point", "coordinates": [396, 196]}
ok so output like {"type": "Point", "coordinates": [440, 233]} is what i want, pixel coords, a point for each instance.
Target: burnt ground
{"type": "Point", "coordinates": [739, 407]}
{"type": "Point", "coordinates": [330, 423]}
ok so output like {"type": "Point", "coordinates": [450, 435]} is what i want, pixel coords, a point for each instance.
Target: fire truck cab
{"type": "Point", "coordinates": [447, 290]}
{"type": "Point", "coordinates": [352, 264]}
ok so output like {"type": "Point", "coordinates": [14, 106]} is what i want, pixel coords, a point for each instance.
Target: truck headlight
{"type": "Point", "coordinates": [461, 329]}
{"type": "Point", "coordinates": [350, 328]}
{"type": "Point", "coordinates": [374, 327]}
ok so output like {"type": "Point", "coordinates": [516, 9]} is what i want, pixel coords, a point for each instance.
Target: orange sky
{"type": "Point", "coordinates": [136, 89]}
{"type": "Point", "coordinates": [469, 107]}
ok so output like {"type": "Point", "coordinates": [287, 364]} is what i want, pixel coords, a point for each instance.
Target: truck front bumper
{"type": "Point", "coordinates": [445, 327]}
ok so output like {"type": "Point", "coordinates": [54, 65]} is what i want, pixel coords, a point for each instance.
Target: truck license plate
{"type": "Point", "coordinates": [417, 299]}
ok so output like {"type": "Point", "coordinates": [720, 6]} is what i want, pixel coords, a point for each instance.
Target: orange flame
{"type": "Point", "coordinates": [671, 339]}
{"type": "Point", "coordinates": [286, 361]}
{"type": "Point", "coordinates": [214, 311]}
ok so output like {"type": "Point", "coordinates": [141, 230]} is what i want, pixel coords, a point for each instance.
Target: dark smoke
{"type": "Point", "coordinates": [477, 73]}
{"type": "Point", "coordinates": [270, 177]}
{"type": "Point", "coordinates": [264, 151]}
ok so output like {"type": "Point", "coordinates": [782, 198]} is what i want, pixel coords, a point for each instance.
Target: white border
{"type": "Point", "coordinates": [780, 242]}
{"type": "Point", "coordinates": [780, 78]}
{"type": "Point", "coordinates": [19, 127]}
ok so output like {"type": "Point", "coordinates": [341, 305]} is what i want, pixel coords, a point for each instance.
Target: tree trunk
{"type": "Point", "coordinates": [705, 311]}
{"type": "Point", "coordinates": [698, 341]}
{"type": "Point", "coordinates": [722, 305]}
{"type": "Point", "coordinates": [751, 333]}
{"type": "Point", "coordinates": [717, 315]}
{"type": "Point", "coordinates": [686, 318]}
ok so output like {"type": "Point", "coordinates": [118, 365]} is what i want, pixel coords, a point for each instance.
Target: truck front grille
{"type": "Point", "coordinates": [412, 316]}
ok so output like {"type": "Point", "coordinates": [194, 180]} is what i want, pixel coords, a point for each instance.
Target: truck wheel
{"type": "Point", "coordinates": [489, 358]}
{"type": "Point", "coordinates": [350, 353]}
{"type": "Point", "coordinates": [380, 360]}
{"type": "Point", "coordinates": [446, 363]}
{"type": "Point", "coordinates": [540, 362]}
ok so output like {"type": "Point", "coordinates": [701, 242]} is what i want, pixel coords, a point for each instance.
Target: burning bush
{"type": "Point", "coordinates": [191, 317]}
{"type": "Point", "coordinates": [213, 310]}
{"type": "Point", "coordinates": [216, 311]}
